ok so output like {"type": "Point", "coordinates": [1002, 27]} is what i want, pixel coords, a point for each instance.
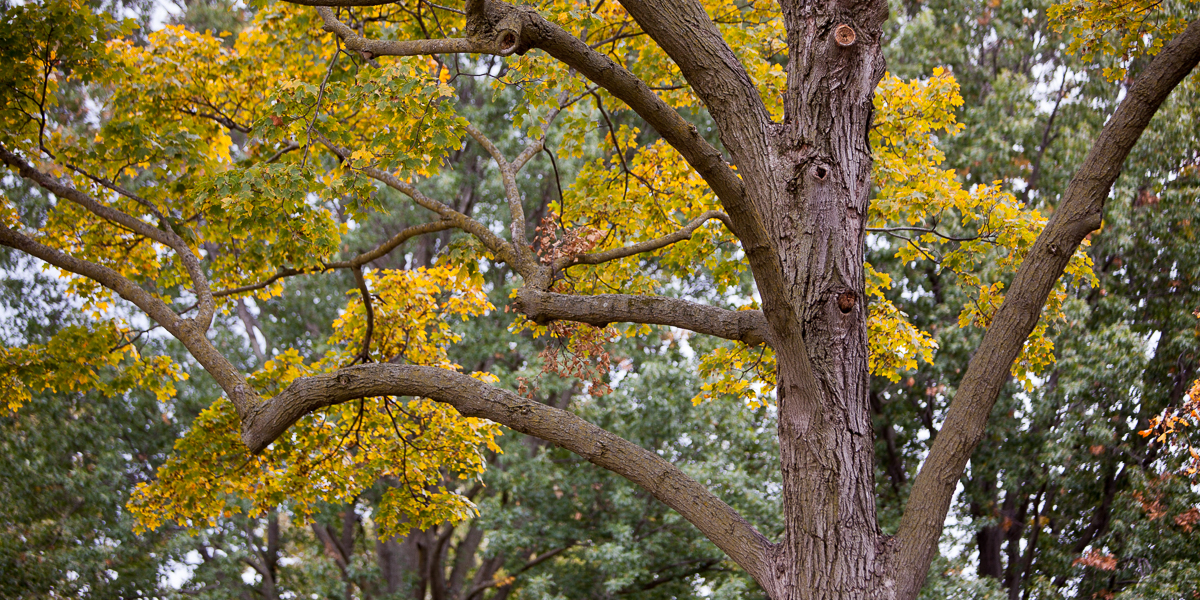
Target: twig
{"type": "Point", "coordinates": [365, 353]}
{"type": "Point", "coordinates": [290, 146]}
{"type": "Point", "coordinates": [320, 94]}
{"type": "Point", "coordinates": [890, 230]}
{"type": "Point", "coordinates": [613, 131]}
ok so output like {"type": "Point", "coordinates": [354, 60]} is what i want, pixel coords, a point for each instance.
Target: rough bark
{"type": "Point", "coordinates": [747, 326]}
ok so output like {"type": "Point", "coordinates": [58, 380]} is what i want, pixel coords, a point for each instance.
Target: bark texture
{"type": "Point", "coordinates": [747, 326]}
{"type": "Point", "coordinates": [833, 545]}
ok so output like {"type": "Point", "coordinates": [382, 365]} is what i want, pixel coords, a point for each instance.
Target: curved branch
{"type": "Point", "coordinates": [748, 222]}
{"type": "Point", "coordinates": [285, 272]}
{"type": "Point", "coordinates": [187, 331]}
{"type": "Point", "coordinates": [111, 185]}
{"type": "Point", "coordinates": [512, 193]}
{"type": "Point", "coordinates": [163, 236]}
{"type": "Point", "coordinates": [383, 249]}
{"type": "Point", "coordinates": [340, 3]}
{"type": "Point", "coordinates": [930, 230]}
{"type": "Point", "coordinates": [364, 353]}
{"type": "Point", "coordinates": [502, 249]}
{"type": "Point", "coordinates": [666, 121]}
{"type": "Point", "coordinates": [685, 233]}
{"type": "Point", "coordinates": [537, 145]}
{"type": "Point", "coordinates": [688, 35]}
{"type": "Point", "coordinates": [1077, 215]}
{"type": "Point", "coordinates": [155, 308]}
{"type": "Point", "coordinates": [683, 29]}
{"type": "Point", "coordinates": [473, 398]}
{"type": "Point", "coordinates": [533, 31]}
{"type": "Point", "coordinates": [746, 326]}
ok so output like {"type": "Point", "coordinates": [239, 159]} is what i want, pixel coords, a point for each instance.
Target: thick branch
{"type": "Point", "coordinates": [680, 134]}
{"type": "Point", "coordinates": [165, 237]}
{"type": "Point", "coordinates": [747, 326]}
{"type": "Point", "coordinates": [686, 33]}
{"type": "Point", "coordinates": [685, 233]}
{"type": "Point", "coordinates": [185, 330]}
{"type": "Point", "coordinates": [1077, 215]}
{"type": "Point", "coordinates": [155, 308]}
{"type": "Point", "coordinates": [533, 31]}
{"type": "Point", "coordinates": [684, 30]}
{"type": "Point", "coordinates": [84, 201]}
{"type": "Point", "coordinates": [503, 44]}
{"type": "Point", "coordinates": [473, 398]}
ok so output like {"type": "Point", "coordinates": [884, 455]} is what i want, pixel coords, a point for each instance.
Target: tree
{"type": "Point", "coordinates": [151, 205]}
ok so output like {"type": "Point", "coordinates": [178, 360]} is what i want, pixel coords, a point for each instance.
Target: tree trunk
{"type": "Point", "coordinates": [833, 546]}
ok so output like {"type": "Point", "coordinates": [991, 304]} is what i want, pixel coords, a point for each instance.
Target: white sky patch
{"type": "Point", "coordinates": [1152, 344]}
{"type": "Point", "coordinates": [175, 574]}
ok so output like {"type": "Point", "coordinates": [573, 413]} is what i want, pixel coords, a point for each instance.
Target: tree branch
{"type": "Point", "coordinates": [187, 331]}
{"type": "Point", "coordinates": [686, 33]}
{"type": "Point", "coordinates": [541, 558]}
{"type": "Point", "coordinates": [504, 44]}
{"type": "Point", "coordinates": [646, 246]}
{"type": "Point", "coordinates": [746, 326]}
{"type": "Point", "coordinates": [165, 237]}
{"type": "Point", "coordinates": [364, 353]}
{"type": "Point", "coordinates": [340, 3]}
{"type": "Point", "coordinates": [473, 398]}
{"type": "Point", "coordinates": [118, 189]}
{"type": "Point", "coordinates": [508, 175]}
{"type": "Point", "coordinates": [931, 230]}
{"type": "Point", "coordinates": [284, 272]}
{"type": "Point", "coordinates": [533, 31]}
{"type": "Point", "coordinates": [674, 129]}
{"type": "Point", "coordinates": [385, 248]}
{"type": "Point", "coordinates": [502, 249]}
{"type": "Point", "coordinates": [352, 263]}
{"type": "Point", "coordinates": [1077, 215]}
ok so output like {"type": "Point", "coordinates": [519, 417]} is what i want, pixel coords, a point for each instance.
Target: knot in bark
{"type": "Point", "coordinates": [499, 25]}
{"type": "Point", "coordinates": [846, 301]}
{"type": "Point", "coordinates": [844, 35]}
